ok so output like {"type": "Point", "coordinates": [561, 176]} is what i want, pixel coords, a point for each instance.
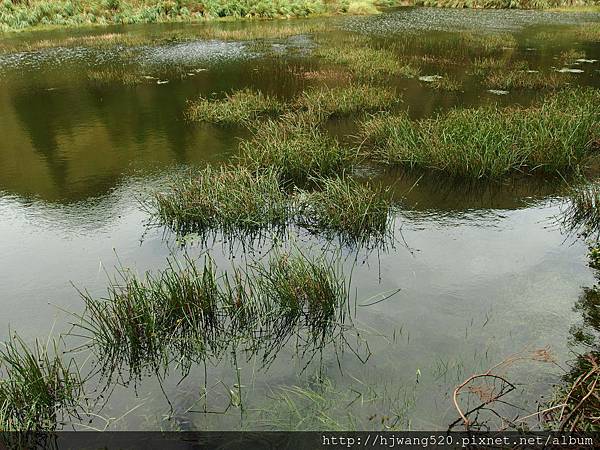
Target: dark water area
{"type": "Point", "coordinates": [483, 269]}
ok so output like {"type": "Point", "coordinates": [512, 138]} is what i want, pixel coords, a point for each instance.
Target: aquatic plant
{"type": "Point", "coordinates": [296, 148]}
{"type": "Point", "coordinates": [364, 61]}
{"type": "Point", "coordinates": [525, 79]}
{"type": "Point", "coordinates": [143, 323]}
{"type": "Point", "coordinates": [346, 100]}
{"type": "Point", "coordinates": [357, 212]}
{"type": "Point", "coordinates": [320, 404]}
{"type": "Point", "coordinates": [557, 134]}
{"type": "Point", "coordinates": [113, 75]}
{"type": "Point", "coordinates": [583, 211]}
{"type": "Point", "coordinates": [186, 314]}
{"type": "Point", "coordinates": [446, 83]}
{"type": "Point", "coordinates": [231, 199]}
{"type": "Point", "coordinates": [238, 107]}
{"type": "Point", "coordinates": [300, 290]}
{"type": "Point", "coordinates": [38, 390]}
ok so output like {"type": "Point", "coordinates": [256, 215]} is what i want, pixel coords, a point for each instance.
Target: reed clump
{"type": "Point", "coordinates": [357, 212]}
{"type": "Point", "coordinates": [346, 100]}
{"type": "Point", "coordinates": [145, 322]}
{"type": "Point", "coordinates": [238, 107]}
{"type": "Point", "coordinates": [559, 133]}
{"type": "Point", "coordinates": [583, 211]}
{"type": "Point", "coordinates": [230, 199]}
{"type": "Point", "coordinates": [187, 314]}
{"type": "Point", "coordinates": [524, 79]}
{"type": "Point", "coordinates": [297, 148]}
{"type": "Point", "coordinates": [38, 390]}
{"type": "Point", "coordinates": [365, 62]}
{"type": "Point", "coordinates": [575, 405]}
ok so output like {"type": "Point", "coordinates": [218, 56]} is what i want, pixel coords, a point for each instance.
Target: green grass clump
{"type": "Point", "coordinates": [113, 76]}
{"type": "Point", "coordinates": [230, 199]}
{"type": "Point", "coordinates": [365, 62]}
{"type": "Point", "coordinates": [522, 79]}
{"type": "Point", "coordinates": [446, 83]}
{"type": "Point", "coordinates": [357, 212]}
{"type": "Point", "coordinates": [296, 148]}
{"type": "Point", "coordinates": [144, 322]}
{"type": "Point", "coordinates": [303, 290]}
{"type": "Point", "coordinates": [347, 100]}
{"type": "Point", "coordinates": [37, 389]}
{"type": "Point", "coordinates": [239, 107]}
{"type": "Point", "coordinates": [557, 134]}
{"type": "Point", "coordinates": [583, 211]}
{"type": "Point", "coordinates": [187, 314]}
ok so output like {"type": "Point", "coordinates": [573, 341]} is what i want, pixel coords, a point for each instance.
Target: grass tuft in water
{"type": "Point", "coordinates": [239, 107]}
{"type": "Point", "coordinates": [583, 211]}
{"type": "Point", "coordinates": [37, 389]}
{"type": "Point", "coordinates": [230, 199]}
{"type": "Point", "coordinates": [365, 62]}
{"type": "Point", "coordinates": [296, 148]}
{"type": "Point", "coordinates": [347, 100]}
{"type": "Point", "coordinates": [523, 79]}
{"type": "Point", "coordinates": [357, 212]}
{"type": "Point", "coordinates": [558, 134]}
{"type": "Point", "coordinates": [187, 314]}
{"type": "Point", "coordinates": [143, 322]}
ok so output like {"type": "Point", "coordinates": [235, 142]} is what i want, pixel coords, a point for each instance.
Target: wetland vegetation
{"type": "Point", "coordinates": [247, 172]}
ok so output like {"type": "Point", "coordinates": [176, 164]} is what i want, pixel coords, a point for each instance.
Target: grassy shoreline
{"type": "Point", "coordinates": [24, 15]}
{"type": "Point", "coordinates": [28, 15]}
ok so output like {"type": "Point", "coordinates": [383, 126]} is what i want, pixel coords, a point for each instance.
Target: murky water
{"type": "Point", "coordinates": [484, 273]}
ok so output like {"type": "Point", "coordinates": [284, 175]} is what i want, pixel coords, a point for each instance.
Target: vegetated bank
{"type": "Point", "coordinates": [26, 14]}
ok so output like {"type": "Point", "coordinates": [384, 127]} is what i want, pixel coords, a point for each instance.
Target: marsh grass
{"type": "Point", "coordinates": [296, 148]}
{"type": "Point", "coordinates": [112, 75]}
{"type": "Point", "coordinates": [496, 4]}
{"type": "Point", "coordinates": [354, 98]}
{"type": "Point", "coordinates": [317, 104]}
{"type": "Point", "coordinates": [582, 214]}
{"type": "Point", "coordinates": [186, 314]}
{"type": "Point", "coordinates": [222, 200]}
{"type": "Point", "coordinates": [38, 390]}
{"type": "Point", "coordinates": [356, 212]}
{"type": "Point", "coordinates": [446, 83]}
{"type": "Point", "coordinates": [238, 107]}
{"type": "Point", "coordinates": [459, 46]}
{"type": "Point", "coordinates": [146, 323]}
{"type": "Point", "coordinates": [522, 79]}
{"type": "Point", "coordinates": [558, 134]}
{"type": "Point", "coordinates": [231, 199]}
{"type": "Point", "coordinates": [575, 404]}
{"type": "Point", "coordinates": [570, 56]}
{"type": "Point", "coordinates": [366, 62]}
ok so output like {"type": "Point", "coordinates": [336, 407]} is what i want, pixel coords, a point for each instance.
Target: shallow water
{"type": "Point", "coordinates": [483, 269]}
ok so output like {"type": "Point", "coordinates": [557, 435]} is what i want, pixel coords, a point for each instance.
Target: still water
{"type": "Point", "coordinates": [483, 271]}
